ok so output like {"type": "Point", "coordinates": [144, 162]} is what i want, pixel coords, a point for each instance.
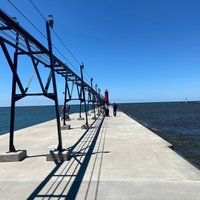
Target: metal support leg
{"type": "Point", "coordinates": [12, 118]}
{"type": "Point", "coordinates": [93, 104]}
{"type": "Point", "coordinates": [93, 98]}
{"type": "Point", "coordinates": [65, 96]}
{"type": "Point", "coordinates": [88, 107]}
{"type": "Point", "coordinates": [80, 108]}
{"type": "Point", "coordinates": [83, 91]}
{"type": "Point", "coordinates": [59, 148]}
{"type": "Point", "coordinates": [86, 117]}
{"type": "Point", "coordinates": [12, 112]}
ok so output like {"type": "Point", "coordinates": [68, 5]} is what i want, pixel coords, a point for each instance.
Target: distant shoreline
{"type": "Point", "coordinates": [161, 102]}
{"type": "Point", "coordinates": [150, 102]}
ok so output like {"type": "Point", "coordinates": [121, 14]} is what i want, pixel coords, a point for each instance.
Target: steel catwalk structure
{"type": "Point", "coordinates": [14, 36]}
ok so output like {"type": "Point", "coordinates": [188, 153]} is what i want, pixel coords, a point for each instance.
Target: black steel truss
{"type": "Point", "coordinates": [23, 43]}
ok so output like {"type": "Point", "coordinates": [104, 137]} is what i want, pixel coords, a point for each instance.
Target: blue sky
{"type": "Point", "coordinates": [140, 50]}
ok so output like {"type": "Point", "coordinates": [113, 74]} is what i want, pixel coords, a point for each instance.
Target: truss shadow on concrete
{"type": "Point", "coordinates": [65, 179]}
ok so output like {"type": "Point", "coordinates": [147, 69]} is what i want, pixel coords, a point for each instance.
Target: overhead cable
{"type": "Point", "coordinates": [55, 33]}
{"type": "Point", "coordinates": [27, 19]}
{"type": "Point", "coordinates": [43, 35]}
{"type": "Point", "coordinates": [47, 39]}
{"type": "Point", "coordinates": [37, 9]}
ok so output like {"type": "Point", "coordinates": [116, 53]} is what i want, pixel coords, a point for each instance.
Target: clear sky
{"type": "Point", "coordinates": [140, 50]}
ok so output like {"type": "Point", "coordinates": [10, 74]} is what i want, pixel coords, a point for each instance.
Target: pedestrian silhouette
{"type": "Point", "coordinates": [115, 109]}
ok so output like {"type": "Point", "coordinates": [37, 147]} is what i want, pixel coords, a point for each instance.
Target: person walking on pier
{"type": "Point", "coordinates": [65, 111]}
{"type": "Point", "coordinates": [106, 110]}
{"type": "Point", "coordinates": [115, 109]}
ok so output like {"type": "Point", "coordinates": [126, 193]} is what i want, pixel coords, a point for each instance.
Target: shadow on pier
{"type": "Point", "coordinates": [65, 179]}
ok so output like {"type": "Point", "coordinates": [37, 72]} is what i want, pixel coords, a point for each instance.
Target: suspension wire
{"type": "Point", "coordinates": [66, 47]}
{"type": "Point", "coordinates": [37, 10]}
{"type": "Point", "coordinates": [55, 33]}
{"type": "Point", "coordinates": [43, 35]}
{"type": "Point", "coordinates": [66, 58]}
{"type": "Point", "coordinates": [22, 44]}
{"type": "Point", "coordinates": [43, 58]}
{"type": "Point", "coordinates": [27, 19]}
{"type": "Point", "coordinates": [87, 74]}
{"type": "Point", "coordinates": [56, 36]}
{"type": "Point", "coordinates": [59, 38]}
{"type": "Point", "coordinates": [61, 42]}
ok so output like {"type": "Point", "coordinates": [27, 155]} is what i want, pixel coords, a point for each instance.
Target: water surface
{"type": "Point", "coordinates": [178, 123]}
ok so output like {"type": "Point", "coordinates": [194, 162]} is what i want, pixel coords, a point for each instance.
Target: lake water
{"type": "Point", "coordinates": [29, 116]}
{"type": "Point", "coordinates": [178, 123]}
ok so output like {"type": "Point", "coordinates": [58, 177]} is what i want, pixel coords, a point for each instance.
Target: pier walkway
{"type": "Point", "coordinates": [117, 158]}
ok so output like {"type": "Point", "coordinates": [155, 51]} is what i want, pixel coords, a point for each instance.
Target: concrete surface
{"type": "Point", "coordinates": [116, 159]}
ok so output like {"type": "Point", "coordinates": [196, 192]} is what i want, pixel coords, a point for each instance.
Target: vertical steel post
{"type": "Point", "coordinates": [93, 103]}
{"type": "Point", "coordinates": [99, 92]}
{"type": "Point", "coordinates": [59, 148]}
{"type": "Point", "coordinates": [13, 100]}
{"type": "Point", "coordinates": [80, 107]}
{"type": "Point", "coordinates": [65, 96]}
{"type": "Point", "coordinates": [97, 98]}
{"type": "Point", "coordinates": [83, 90]}
{"type": "Point", "coordinates": [88, 101]}
{"type": "Point", "coordinates": [12, 115]}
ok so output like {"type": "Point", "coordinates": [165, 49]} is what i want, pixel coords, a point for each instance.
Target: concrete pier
{"type": "Point", "coordinates": [117, 158]}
